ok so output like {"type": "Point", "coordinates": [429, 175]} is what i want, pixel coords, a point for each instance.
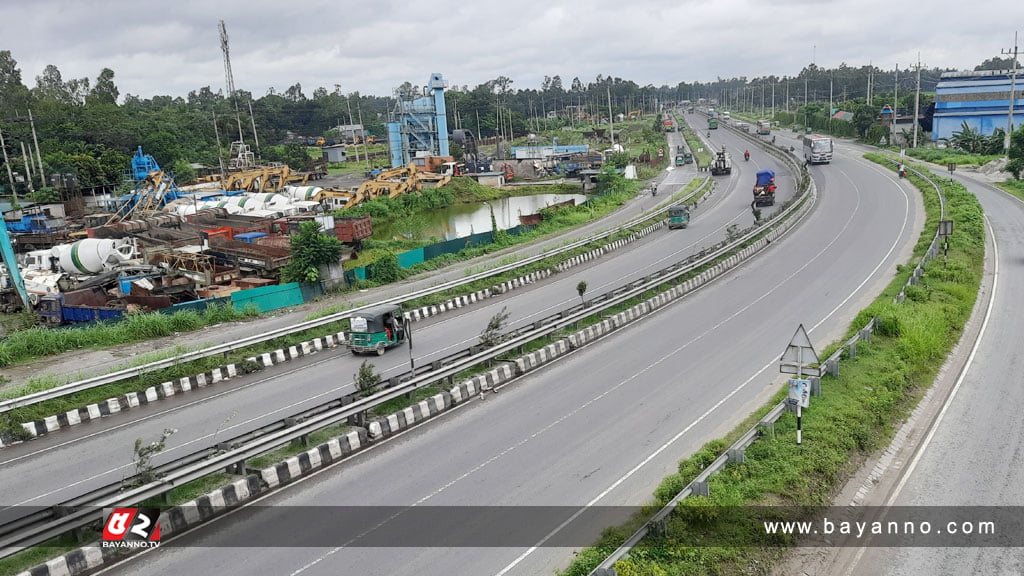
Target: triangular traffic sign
{"type": "Point", "coordinates": [793, 355]}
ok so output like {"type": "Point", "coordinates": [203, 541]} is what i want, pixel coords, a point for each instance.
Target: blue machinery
{"type": "Point", "coordinates": [421, 123]}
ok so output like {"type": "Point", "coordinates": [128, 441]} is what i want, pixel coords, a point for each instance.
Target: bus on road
{"type": "Point", "coordinates": [817, 149]}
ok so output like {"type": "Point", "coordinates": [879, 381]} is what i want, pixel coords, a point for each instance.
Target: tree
{"type": "Point", "coordinates": [581, 289]}
{"type": "Point", "coordinates": [1016, 153]}
{"type": "Point", "coordinates": [310, 251]}
{"type": "Point", "coordinates": [366, 379]}
{"type": "Point", "coordinates": [105, 91]}
{"type": "Point", "coordinates": [492, 334]}
{"type": "Point", "coordinates": [996, 63]}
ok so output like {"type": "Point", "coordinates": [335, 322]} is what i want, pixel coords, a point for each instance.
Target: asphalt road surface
{"type": "Point", "coordinates": [973, 456]}
{"type": "Point", "coordinates": [603, 426]}
{"type": "Point", "coordinates": [67, 463]}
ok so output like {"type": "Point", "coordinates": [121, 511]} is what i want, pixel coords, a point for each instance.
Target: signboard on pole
{"type": "Point", "coordinates": [799, 355]}
{"type": "Point", "coordinates": [799, 393]}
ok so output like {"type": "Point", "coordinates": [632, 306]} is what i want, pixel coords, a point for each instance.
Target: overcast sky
{"type": "Point", "coordinates": [372, 46]}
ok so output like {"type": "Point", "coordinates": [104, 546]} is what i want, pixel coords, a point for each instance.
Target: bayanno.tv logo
{"type": "Point", "coordinates": [131, 528]}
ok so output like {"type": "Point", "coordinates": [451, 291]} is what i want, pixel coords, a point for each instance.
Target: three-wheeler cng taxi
{"type": "Point", "coordinates": [376, 329]}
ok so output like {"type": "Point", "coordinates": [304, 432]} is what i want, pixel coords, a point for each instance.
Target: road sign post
{"type": "Point", "coordinates": [797, 359]}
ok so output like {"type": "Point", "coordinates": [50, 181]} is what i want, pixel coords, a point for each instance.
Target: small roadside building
{"type": "Point", "coordinates": [334, 153]}
{"type": "Point", "coordinates": [980, 98]}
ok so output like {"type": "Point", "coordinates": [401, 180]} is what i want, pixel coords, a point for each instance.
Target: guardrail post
{"type": "Point", "coordinates": [659, 528]}
{"type": "Point", "coordinates": [700, 488]}
{"type": "Point", "coordinates": [815, 385]}
{"type": "Point", "coordinates": [865, 335]}
{"type": "Point", "coordinates": [605, 572]}
{"type": "Point", "coordinates": [766, 428]}
{"type": "Point", "coordinates": [737, 455]}
{"type": "Point", "coordinates": [832, 367]}
{"type": "Point", "coordinates": [853, 349]}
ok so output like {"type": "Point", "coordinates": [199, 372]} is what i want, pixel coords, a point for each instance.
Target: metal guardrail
{"type": "Point", "coordinates": [89, 383]}
{"type": "Point", "coordinates": [38, 529]}
{"type": "Point", "coordinates": [734, 453]}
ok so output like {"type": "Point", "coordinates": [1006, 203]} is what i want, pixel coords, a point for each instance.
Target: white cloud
{"type": "Point", "coordinates": [174, 47]}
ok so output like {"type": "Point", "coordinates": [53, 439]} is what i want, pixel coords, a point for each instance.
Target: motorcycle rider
{"type": "Point", "coordinates": [746, 155]}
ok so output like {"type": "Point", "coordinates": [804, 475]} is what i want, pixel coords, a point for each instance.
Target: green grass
{"type": "Point", "coordinates": [191, 490]}
{"type": "Point", "coordinates": [1015, 187]}
{"type": "Point", "coordinates": [945, 156]}
{"type": "Point", "coordinates": [298, 447]}
{"type": "Point", "coordinates": [856, 414]}
{"type": "Point", "coordinates": [31, 557]}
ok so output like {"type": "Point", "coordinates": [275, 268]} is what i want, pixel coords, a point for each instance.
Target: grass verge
{"type": "Point", "coordinates": [856, 414]}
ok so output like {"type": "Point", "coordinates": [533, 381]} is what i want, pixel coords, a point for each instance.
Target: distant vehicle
{"type": "Point", "coordinates": [725, 115]}
{"type": "Point", "coordinates": [722, 163]}
{"type": "Point", "coordinates": [764, 188]}
{"type": "Point", "coordinates": [764, 127]}
{"type": "Point", "coordinates": [817, 149]}
{"type": "Point", "coordinates": [321, 141]}
{"type": "Point", "coordinates": [376, 329]}
{"type": "Point", "coordinates": [712, 124]}
{"type": "Point", "coordinates": [678, 216]}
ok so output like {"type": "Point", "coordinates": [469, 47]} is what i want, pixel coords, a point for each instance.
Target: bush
{"type": "Point", "coordinates": [385, 270]}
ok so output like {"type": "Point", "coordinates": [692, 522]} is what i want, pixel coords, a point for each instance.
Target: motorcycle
{"type": "Point", "coordinates": [746, 156]}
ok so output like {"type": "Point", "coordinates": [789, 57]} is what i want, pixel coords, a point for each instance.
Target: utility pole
{"type": "Point", "coordinates": [39, 156]}
{"type": "Point", "coordinates": [7, 164]}
{"type": "Point", "coordinates": [348, 102]}
{"type": "Point", "coordinates": [28, 168]}
{"type": "Point", "coordinates": [611, 121]}
{"type": "Point", "coordinates": [830, 104]}
{"type": "Point", "coordinates": [773, 100]}
{"type": "Point", "coordinates": [871, 71]}
{"type": "Point", "coordinates": [917, 97]}
{"type": "Point", "coordinates": [359, 111]}
{"type": "Point", "coordinates": [762, 98]}
{"type": "Point", "coordinates": [254, 134]}
{"type": "Point", "coordinates": [220, 152]}
{"type": "Point", "coordinates": [788, 82]}
{"type": "Point", "coordinates": [1013, 95]}
{"type": "Point", "coordinates": [895, 104]}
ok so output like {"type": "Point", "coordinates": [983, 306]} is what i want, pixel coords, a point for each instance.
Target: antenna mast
{"type": "Point", "coordinates": [228, 76]}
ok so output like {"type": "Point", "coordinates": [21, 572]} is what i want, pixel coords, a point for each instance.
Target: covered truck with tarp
{"type": "Point", "coordinates": [764, 188]}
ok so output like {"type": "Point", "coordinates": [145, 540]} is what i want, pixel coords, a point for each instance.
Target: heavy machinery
{"type": "Point", "coordinates": [154, 188]}
{"type": "Point", "coordinates": [722, 164]}
{"type": "Point", "coordinates": [764, 188]}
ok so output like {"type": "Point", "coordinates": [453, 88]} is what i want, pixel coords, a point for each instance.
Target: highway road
{"type": "Point", "coordinates": [59, 466]}
{"type": "Point", "coordinates": [603, 426]}
{"type": "Point", "coordinates": [973, 455]}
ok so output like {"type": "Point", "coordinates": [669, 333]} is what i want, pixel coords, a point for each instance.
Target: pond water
{"type": "Point", "coordinates": [462, 220]}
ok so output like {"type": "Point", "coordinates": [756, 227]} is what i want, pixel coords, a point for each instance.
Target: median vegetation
{"type": "Point", "coordinates": [856, 415]}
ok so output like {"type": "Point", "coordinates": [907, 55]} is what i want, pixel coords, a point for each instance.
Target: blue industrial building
{"type": "Point", "coordinates": [420, 124]}
{"type": "Point", "coordinates": [980, 98]}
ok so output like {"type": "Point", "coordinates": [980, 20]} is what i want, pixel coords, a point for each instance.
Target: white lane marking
{"type": "Point", "coordinates": [963, 374]}
{"type": "Point", "coordinates": [664, 446]}
{"type": "Point", "coordinates": [171, 449]}
{"type": "Point", "coordinates": [949, 401]}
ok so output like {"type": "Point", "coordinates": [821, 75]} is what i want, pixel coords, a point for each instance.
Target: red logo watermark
{"type": "Point", "coordinates": [131, 528]}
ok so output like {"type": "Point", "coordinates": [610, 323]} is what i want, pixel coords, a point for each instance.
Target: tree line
{"type": "Point", "coordinates": [85, 127]}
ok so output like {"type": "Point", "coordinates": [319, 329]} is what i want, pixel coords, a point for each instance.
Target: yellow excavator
{"type": "Point", "coordinates": [391, 183]}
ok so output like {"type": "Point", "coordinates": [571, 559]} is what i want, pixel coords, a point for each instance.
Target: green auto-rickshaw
{"type": "Point", "coordinates": [376, 329]}
{"type": "Point", "coordinates": [678, 216]}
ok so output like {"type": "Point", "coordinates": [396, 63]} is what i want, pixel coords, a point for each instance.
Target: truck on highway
{"type": "Point", "coordinates": [817, 149]}
{"type": "Point", "coordinates": [764, 188]}
{"type": "Point", "coordinates": [764, 127]}
{"type": "Point", "coordinates": [722, 163]}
